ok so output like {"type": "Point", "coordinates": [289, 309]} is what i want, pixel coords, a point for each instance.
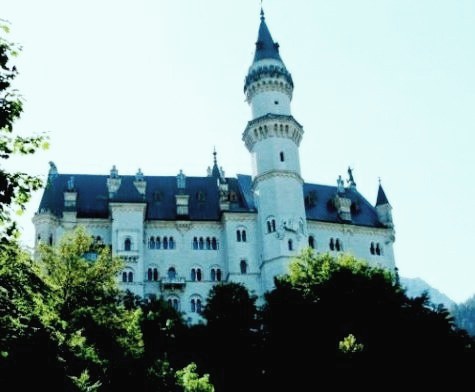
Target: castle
{"type": "Point", "coordinates": [179, 235]}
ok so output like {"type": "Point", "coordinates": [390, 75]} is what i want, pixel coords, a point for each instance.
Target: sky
{"type": "Point", "coordinates": [386, 87]}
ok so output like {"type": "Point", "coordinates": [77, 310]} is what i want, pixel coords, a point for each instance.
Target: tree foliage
{"type": "Point", "coordinates": [15, 187]}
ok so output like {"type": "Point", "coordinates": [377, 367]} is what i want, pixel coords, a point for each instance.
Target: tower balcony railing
{"type": "Point", "coordinates": [172, 283]}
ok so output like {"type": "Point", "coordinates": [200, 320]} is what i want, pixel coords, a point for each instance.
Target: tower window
{"type": "Point", "coordinates": [276, 102]}
{"type": "Point", "coordinates": [372, 249]}
{"type": "Point", "coordinates": [171, 273]}
{"type": "Point", "coordinates": [243, 266]}
{"type": "Point", "coordinates": [130, 276]}
{"type": "Point", "coordinates": [332, 244]}
{"type": "Point", "coordinates": [311, 241]}
{"type": "Point", "coordinates": [282, 157]}
{"type": "Point", "coordinates": [290, 244]}
{"type": "Point", "coordinates": [127, 244]}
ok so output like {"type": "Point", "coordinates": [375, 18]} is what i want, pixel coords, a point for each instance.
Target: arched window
{"type": "Point", "coordinates": [50, 240]}
{"type": "Point", "coordinates": [290, 244]}
{"type": "Point", "coordinates": [338, 245]}
{"type": "Point", "coordinates": [195, 243]}
{"type": "Point", "coordinates": [218, 274]}
{"type": "Point", "coordinates": [155, 274]}
{"type": "Point", "coordinates": [158, 244]}
{"type": "Point", "coordinates": [174, 303]}
{"type": "Point", "coordinates": [193, 305]}
{"type": "Point", "coordinates": [238, 235]}
{"type": "Point", "coordinates": [371, 248]}
{"type": "Point", "coordinates": [332, 244]}
{"type": "Point", "coordinates": [244, 236]}
{"type": "Point", "coordinates": [281, 155]}
{"type": "Point", "coordinates": [273, 225]}
{"type": "Point", "coordinates": [311, 241]}
{"type": "Point", "coordinates": [171, 273]}
{"type": "Point", "coordinates": [198, 305]}
{"type": "Point", "coordinates": [171, 243]}
{"type": "Point", "coordinates": [130, 276]}
{"type": "Point", "coordinates": [213, 274]}
{"type": "Point", "coordinates": [214, 243]}
{"type": "Point", "coordinates": [127, 244]}
{"type": "Point", "coordinates": [124, 276]}
{"type": "Point", "coordinates": [378, 249]}
{"type": "Point", "coordinates": [165, 242]}
{"type": "Point", "coordinates": [149, 274]}
{"type": "Point", "coordinates": [193, 274]}
{"type": "Point", "coordinates": [243, 266]}
{"type": "Point", "coordinates": [151, 243]}
{"type": "Point", "coordinates": [208, 243]}
{"type": "Point", "coordinates": [198, 274]}
{"type": "Point", "coordinates": [269, 227]}
{"type": "Point", "coordinates": [201, 243]}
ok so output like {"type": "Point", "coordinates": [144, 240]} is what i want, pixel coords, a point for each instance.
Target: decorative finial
{"type": "Point", "coordinates": [262, 12]}
{"type": "Point", "coordinates": [351, 180]}
{"type": "Point", "coordinates": [379, 180]}
{"type": "Point", "coordinates": [214, 155]}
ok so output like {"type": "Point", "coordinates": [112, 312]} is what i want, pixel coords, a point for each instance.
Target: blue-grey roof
{"type": "Point", "coordinates": [93, 198]}
{"type": "Point", "coordinates": [266, 48]}
{"type": "Point", "coordinates": [381, 199]}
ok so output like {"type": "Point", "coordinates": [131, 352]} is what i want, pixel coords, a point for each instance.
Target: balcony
{"type": "Point", "coordinates": [172, 283]}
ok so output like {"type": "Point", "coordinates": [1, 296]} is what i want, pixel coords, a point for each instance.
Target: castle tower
{"type": "Point", "coordinates": [273, 137]}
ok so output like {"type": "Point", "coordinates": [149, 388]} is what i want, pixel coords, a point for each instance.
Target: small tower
{"type": "Point", "coordinates": [113, 182]}
{"type": "Point", "coordinates": [273, 137]}
{"type": "Point", "coordinates": [383, 208]}
{"type": "Point", "coordinates": [182, 199]}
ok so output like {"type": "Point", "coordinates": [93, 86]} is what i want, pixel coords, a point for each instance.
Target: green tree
{"type": "Point", "coordinates": [324, 300]}
{"type": "Point", "coordinates": [190, 380]}
{"type": "Point", "coordinates": [15, 187]}
{"type": "Point", "coordinates": [102, 334]}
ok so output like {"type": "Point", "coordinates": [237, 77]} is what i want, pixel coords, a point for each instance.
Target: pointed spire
{"type": "Point", "coordinates": [215, 172]}
{"type": "Point", "coordinates": [381, 199]}
{"type": "Point", "coordinates": [266, 48]}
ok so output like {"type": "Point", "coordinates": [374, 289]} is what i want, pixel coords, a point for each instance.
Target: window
{"type": "Point", "coordinates": [290, 244]}
{"type": "Point", "coordinates": [50, 240]}
{"type": "Point", "coordinates": [214, 243]}
{"type": "Point", "coordinates": [130, 276]}
{"type": "Point", "coordinates": [338, 245]}
{"type": "Point", "coordinates": [201, 243]}
{"type": "Point", "coordinates": [174, 303]}
{"type": "Point", "coordinates": [171, 273]}
{"type": "Point", "coordinates": [124, 276]}
{"type": "Point", "coordinates": [372, 249]}
{"type": "Point", "coordinates": [196, 306]}
{"type": "Point", "coordinates": [311, 241]}
{"type": "Point", "coordinates": [332, 244]}
{"type": "Point", "coordinates": [165, 242]}
{"type": "Point", "coordinates": [243, 266]}
{"type": "Point", "coordinates": [158, 243]}
{"type": "Point", "coordinates": [208, 243]}
{"type": "Point", "coordinates": [171, 243]}
{"type": "Point", "coordinates": [196, 274]}
{"type": "Point", "coordinates": [270, 225]}
{"type": "Point", "coordinates": [152, 274]}
{"type": "Point", "coordinates": [127, 244]}
{"type": "Point", "coordinates": [195, 243]}
{"type": "Point", "coordinates": [282, 158]}
{"type": "Point", "coordinates": [216, 274]}
{"type": "Point", "coordinates": [378, 249]}
{"type": "Point", "coordinates": [241, 235]}
{"type": "Point", "coordinates": [151, 243]}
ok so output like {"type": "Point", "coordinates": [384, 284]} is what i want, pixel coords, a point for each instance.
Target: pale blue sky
{"type": "Point", "coordinates": [385, 86]}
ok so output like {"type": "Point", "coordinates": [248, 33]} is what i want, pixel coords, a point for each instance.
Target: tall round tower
{"type": "Point", "coordinates": [273, 137]}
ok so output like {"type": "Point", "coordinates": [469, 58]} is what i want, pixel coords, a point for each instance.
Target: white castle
{"type": "Point", "coordinates": [181, 235]}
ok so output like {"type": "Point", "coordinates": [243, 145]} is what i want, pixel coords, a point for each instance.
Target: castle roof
{"type": "Point", "coordinates": [266, 48]}
{"type": "Point", "coordinates": [381, 199]}
{"type": "Point", "coordinates": [93, 198]}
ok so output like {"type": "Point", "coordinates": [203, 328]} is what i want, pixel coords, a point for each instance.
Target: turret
{"type": "Point", "coordinates": [273, 137]}
{"type": "Point", "coordinates": [383, 208]}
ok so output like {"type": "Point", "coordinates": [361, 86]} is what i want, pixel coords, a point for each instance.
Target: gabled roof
{"type": "Point", "coordinates": [93, 198]}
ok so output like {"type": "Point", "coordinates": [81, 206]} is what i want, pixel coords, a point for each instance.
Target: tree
{"type": "Point", "coordinates": [102, 335]}
{"type": "Point", "coordinates": [190, 380]}
{"type": "Point", "coordinates": [16, 187]}
{"type": "Point", "coordinates": [352, 317]}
